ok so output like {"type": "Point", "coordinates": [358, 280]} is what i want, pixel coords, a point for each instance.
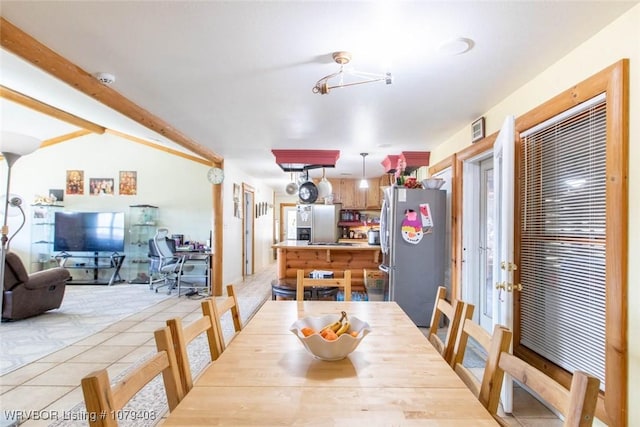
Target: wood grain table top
{"type": "Point", "coordinates": [266, 376]}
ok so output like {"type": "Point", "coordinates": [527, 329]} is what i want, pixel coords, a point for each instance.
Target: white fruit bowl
{"type": "Point", "coordinates": [329, 350]}
{"type": "Point", "coordinates": [433, 183]}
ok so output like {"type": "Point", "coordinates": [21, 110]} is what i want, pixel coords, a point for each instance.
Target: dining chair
{"type": "Point", "coordinates": [216, 310]}
{"type": "Point", "coordinates": [488, 390]}
{"type": "Point", "coordinates": [452, 312]}
{"type": "Point", "coordinates": [103, 401]}
{"type": "Point", "coordinates": [182, 336]}
{"type": "Point", "coordinates": [342, 282]}
{"type": "Point", "coordinates": [577, 404]}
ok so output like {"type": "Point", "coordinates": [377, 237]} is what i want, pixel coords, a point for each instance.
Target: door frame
{"type": "Point", "coordinates": [248, 229]}
{"type": "Point", "coordinates": [471, 224]}
{"type": "Point", "coordinates": [283, 209]}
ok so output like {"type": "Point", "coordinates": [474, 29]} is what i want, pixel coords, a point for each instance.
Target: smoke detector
{"type": "Point", "coordinates": [105, 78]}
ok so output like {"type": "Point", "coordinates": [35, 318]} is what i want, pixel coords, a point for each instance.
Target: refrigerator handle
{"type": "Point", "coordinates": [384, 226]}
{"type": "Point", "coordinates": [384, 268]}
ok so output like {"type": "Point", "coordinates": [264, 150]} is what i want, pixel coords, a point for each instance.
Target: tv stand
{"type": "Point", "coordinates": [95, 262]}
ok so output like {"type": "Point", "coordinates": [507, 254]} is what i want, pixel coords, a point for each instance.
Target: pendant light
{"type": "Point", "coordinates": [364, 184]}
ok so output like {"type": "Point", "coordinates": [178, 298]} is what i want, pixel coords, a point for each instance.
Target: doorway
{"type": "Point", "coordinates": [288, 221]}
{"type": "Point", "coordinates": [478, 233]}
{"type": "Point", "coordinates": [487, 237]}
{"type": "Point", "coordinates": [248, 204]}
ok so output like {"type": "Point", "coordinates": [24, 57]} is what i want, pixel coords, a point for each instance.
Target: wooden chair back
{"type": "Point", "coordinates": [451, 311]}
{"type": "Point", "coordinates": [183, 335]}
{"type": "Point", "coordinates": [341, 282]}
{"type": "Point", "coordinates": [577, 404]}
{"type": "Point", "coordinates": [488, 390]}
{"type": "Point", "coordinates": [102, 398]}
{"type": "Point", "coordinates": [216, 310]}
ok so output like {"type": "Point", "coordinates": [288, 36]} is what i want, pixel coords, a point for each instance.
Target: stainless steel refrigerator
{"type": "Point", "coordinates": [412, 240]}
{"type": "Point", "coordinates": [318, 223]}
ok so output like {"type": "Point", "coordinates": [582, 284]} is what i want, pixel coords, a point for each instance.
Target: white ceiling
{"type": "Point", "coordinates": [237, 77]}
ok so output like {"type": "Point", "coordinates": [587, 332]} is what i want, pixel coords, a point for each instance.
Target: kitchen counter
{"type": "Point", "coordinates": [338, 257]}
{"type": "Point", "coordinates": [297, 244]}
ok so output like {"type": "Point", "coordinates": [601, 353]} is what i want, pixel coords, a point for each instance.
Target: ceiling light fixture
{"type": "Point", "coordinates": [323, 86]}
{"type": "Point", "coordinates": [364, 184]}
{"type": "Point", "coordinates": [456, 46]}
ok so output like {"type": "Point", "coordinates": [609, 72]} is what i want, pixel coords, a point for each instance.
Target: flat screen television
{"type": "Point", "coordinates": [89, 232]}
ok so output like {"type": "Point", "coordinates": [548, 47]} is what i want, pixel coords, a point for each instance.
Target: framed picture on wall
{"type": "Point", "coordinates": [101, 186]}
{"type": "Point", "coordinates": [75, 182]}
{"type": "Point", "coordinates": [58, 194]}
{"type": "Point", "coordinates": [128, 183]}
{"type": "Point", "coordinates": [236, 201]}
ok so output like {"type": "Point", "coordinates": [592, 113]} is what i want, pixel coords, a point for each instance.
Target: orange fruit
{"type": "Point", "coordinates": [329, 335]}
{"type": "Point", "coordinates": [353, 333]}
{"type": "Point", "coordinates": [306, 331]}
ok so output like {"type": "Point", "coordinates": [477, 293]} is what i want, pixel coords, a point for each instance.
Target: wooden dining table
{"type": "Point", "coordinates": [266, 377]}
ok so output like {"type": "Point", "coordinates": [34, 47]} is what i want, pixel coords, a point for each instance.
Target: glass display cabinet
{"type": "Point", "coordinates": [142, 227]}
{"type": "Point", "coordinates": [42, 230]}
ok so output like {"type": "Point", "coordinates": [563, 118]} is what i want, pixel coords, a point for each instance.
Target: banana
{"type": "Point", "coordinates": [337, 324]}
{"type": "Point", "coordinates": [333, 326]}
{"type": "Point", "coordinates": [344, 328]}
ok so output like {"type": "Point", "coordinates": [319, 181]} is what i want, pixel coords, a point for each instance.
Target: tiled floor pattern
{"type": "Point", "coordinates": [50, 385]}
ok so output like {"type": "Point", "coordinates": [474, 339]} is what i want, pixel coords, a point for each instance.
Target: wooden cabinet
{"type": "Point", "coordinates": [335, 183]}
{"type": "Point", "coordinates": [347, 191]}
{"type": "Point", "coordinates": [374, 195]}
{"type": "Point", "coordinates": [347, 194]}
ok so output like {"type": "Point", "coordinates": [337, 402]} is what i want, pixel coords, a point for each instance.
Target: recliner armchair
{"type": "Point", "coordinates": [27, 295]}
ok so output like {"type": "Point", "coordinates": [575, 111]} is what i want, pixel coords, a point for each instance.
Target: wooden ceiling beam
{"type": "Point", "coordinates": [62, 138]}
{"type": "Point", "coordinates": [20, 43]}
{"type": "Point", "coordinates": [160, 147]}
{"type": "Point", "coordinates": [49, 110]}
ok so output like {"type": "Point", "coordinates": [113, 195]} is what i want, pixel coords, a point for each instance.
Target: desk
{"type": "Point", "coordinates": [266, 377]}
{"type": "Point", "coordinates": [199, 260]}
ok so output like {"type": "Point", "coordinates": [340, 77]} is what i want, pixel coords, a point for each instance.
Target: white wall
{"type": "Point", "coordinates": [619, 40]}
{"type": "Point", "coordinates": [232, 228]}
{"type": "Point", "coordinates": [176, 185]}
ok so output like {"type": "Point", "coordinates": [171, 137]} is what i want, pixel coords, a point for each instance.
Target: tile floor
{"type": "Point", "coordinates": [51, 384]}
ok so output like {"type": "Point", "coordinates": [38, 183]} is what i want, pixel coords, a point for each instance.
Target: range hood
{"type": "Point", "coordinates": [303, 160]}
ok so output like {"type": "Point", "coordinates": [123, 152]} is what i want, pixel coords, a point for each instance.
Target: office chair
{"type": "Point", "coordinates": [154, 262]}
{"type": "Point", "coordinates": [164, 261]}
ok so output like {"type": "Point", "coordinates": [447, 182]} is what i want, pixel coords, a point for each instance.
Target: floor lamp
{"type": "Point", "coordinates": [13, 146]}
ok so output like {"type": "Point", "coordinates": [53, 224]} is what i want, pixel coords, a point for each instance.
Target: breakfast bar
{"type": "Point", "coordinates": [336, 257]}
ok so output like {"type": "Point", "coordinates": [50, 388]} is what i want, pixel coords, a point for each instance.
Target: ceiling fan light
{"type": "Point", "coordinates": [323, 86]}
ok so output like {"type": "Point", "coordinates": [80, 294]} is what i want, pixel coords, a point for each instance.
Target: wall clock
{"type": "Point", "coordinates": [215, 175]}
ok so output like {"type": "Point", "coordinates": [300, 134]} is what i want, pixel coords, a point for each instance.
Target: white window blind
{"type": "Point", "coordinates": [563, 233]}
